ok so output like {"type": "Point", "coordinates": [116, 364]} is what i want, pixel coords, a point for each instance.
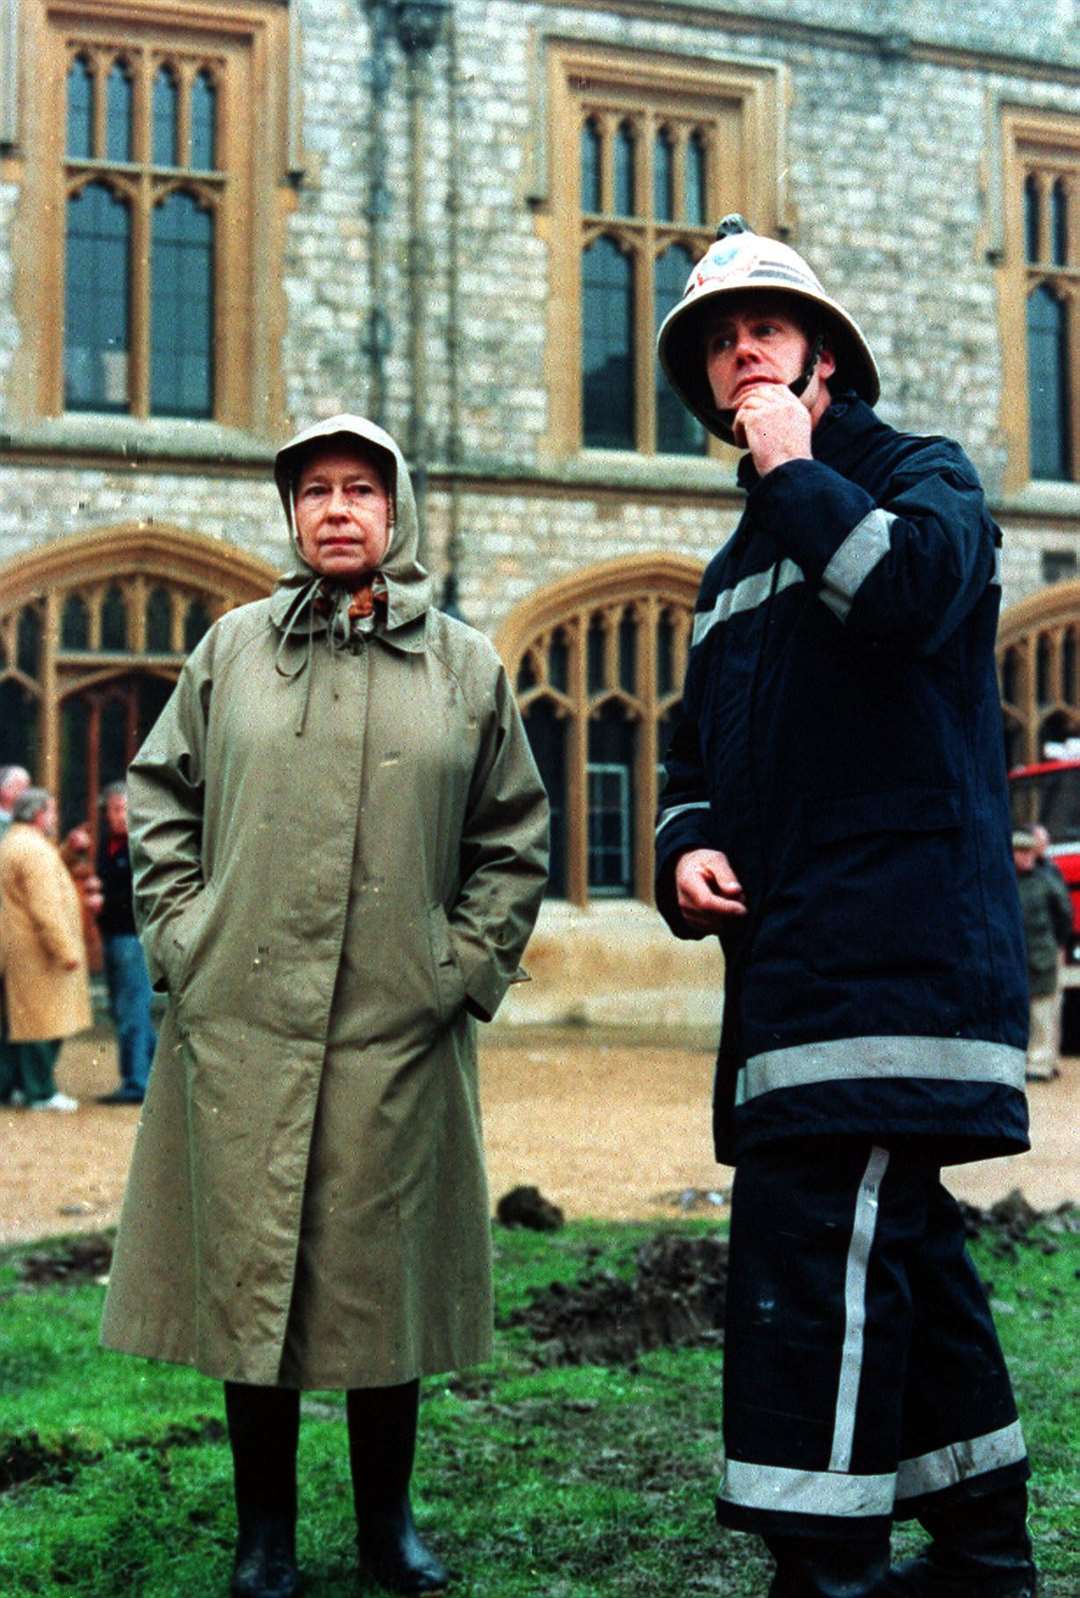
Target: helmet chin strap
{"type": "Point", "coordinates": [802, 383]}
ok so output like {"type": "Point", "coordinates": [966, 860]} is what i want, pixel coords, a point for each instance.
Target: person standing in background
{"type": "Point", "coordinates": [130, 996]}
{"type": "Point", "coordinates": [1047, 910]}
{"type": "Point", "coordinates": [47, 991]}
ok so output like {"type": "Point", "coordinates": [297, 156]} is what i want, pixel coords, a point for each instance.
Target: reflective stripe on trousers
{"type": "Point", "coordinates": [862, 1371]}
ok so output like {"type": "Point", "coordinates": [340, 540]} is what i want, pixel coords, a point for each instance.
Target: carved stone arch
{"type": "Point", "coordinates": [598, 660]}
{"type": "Point", "coordinates": [1038, 652]}
{"type": "Point", "coordinates": [93, 631]}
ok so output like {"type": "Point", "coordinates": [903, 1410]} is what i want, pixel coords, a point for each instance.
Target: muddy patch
{"type": "Point", "coordinates": [70, 1261]}
{"type": "Point", "coordinates": [28, 1457]}
{"type": "Point", "coordinates": [1013, 1221]}
{"type": "Point", "coordinates": [675, 1299]}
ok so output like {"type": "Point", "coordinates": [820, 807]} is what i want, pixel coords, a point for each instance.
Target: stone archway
{"type": "Point", "coordinates": [1038, 651]}
{"type": "Point", "coordinates": [93, 631]}
{"type": "Point", "coordinates": [598, 660]}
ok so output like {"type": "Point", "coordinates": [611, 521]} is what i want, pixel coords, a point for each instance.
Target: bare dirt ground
{"type": "Point", "coordinates": [605, 1124]}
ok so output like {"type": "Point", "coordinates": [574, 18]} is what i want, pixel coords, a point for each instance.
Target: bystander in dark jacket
{"type": "Point", "coordinates": [130, 995]}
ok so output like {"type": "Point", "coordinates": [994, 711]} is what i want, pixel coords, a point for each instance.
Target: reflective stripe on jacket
{"type": "Point", "coordinates": [840, 740]}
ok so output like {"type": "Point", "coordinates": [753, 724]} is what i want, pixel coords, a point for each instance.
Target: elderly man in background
{"type": "Point", "coordinates": [1047, 910]}
{"type": "Point", "coordinates": [14, 781]}
{"type": "Point", "coordinates": [48, 994]}
{"type": "Point", "coordinates": [130, 995]}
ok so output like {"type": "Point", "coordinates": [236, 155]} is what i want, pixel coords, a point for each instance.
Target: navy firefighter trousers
{"type": "Point", "coordinates": [863, 1379]}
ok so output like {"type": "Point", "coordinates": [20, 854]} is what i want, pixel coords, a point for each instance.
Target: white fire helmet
{"type": "Point", "coordinates": [739, 262]}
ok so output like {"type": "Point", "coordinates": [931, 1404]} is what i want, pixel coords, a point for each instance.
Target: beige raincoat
{"type": "Point", "coordinates": [40, 929]}
{"type": "Point", "coordinates": [338, 845]}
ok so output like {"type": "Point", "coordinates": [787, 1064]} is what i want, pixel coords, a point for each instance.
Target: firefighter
{"type": "Point", "coordinates": [835, 811]}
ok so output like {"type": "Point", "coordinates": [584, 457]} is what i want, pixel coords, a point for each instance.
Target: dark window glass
{"type": "Point", "coordinates": [80, 110]}
{"type": "Point", "coordinates": [559, 661]}
{"type": "Point", "coordinates": [607, 353]}
{"type": "Point", "coordinates": [75, 624]}
{"type": "Point", "coordinates": [547, 735]}
{"type": "Point", "coordinates": [114, 621]}
{"type": "Point", "coordinates": [594, 655]}
{"type": "Point", "coordinates": [1031, 217]}
{"type": "Point", "coordinates": [590, 166]}
{"type": "Point", "coordinates": [677, 432]}
{"type": "Point", "coordinates": [1042, 670]}
{"type": "Point", "coordinates": [159, 622]}
{"type": "Point", "coordinates": [1059, 222]}
{"type": "Point", "coordinates": [19, 710]}
{"type": "Point", "coordinates": [624, 171]}
{"type": "Point", "coordinates": [526, 677]}
{"type": "Point", "coordinates": [74, 763]}
{"type": "Point", "coordinates": [1010, 676]}
{"type": "Point", "coordinates": [28, 641]}
{"type": "Point", "coordinates": [695, 180]}
{"type": "Point", "coordinates": [112, 740]}
{"type": "Point", "coordinates": [1058, 565]}
{"type": "Point", "coordinates": [96, 315]}
{"type": "Point", "coordinates": [665, 654]}
{"type": "Point", "coordinates": [118, 119]}
{"type": "Point", "coordinates": [665, 726]}
{"type": "Point", "coordinates": [1068, 667]}
{"type": "Point", "coordinates": [663, 178]}
{"type": "Point", "coordinates": [1048, 400]}
{"type": "Point", "coordinates": [612, 741]}
{"type": "Point", "coordinates": [165, 105]}
{"type": "Point", "coordinates": [628, 638]}
{"type": "Point", "coordinates": [181, 308]}
{"type": "Point", "coordinates": [196, 623]}
{"type": "Point", "coordinates": [203, 123]}
{"type": "Point", "coordinates": [153, 693]}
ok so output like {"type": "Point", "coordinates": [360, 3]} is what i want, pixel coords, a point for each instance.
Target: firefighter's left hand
{"type": "Point", "coordinates": [774, 425]}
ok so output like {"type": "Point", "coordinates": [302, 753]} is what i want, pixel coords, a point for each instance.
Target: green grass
{"type": "Point", "coordinates": [588, 1482]}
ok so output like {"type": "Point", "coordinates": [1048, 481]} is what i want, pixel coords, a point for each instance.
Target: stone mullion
{"type": "Point", "coordinates": [49, 725]}
{"type": "Point", "coordinates": [176, 621]}
{"type": "Point", "coordinates": [135, 601]}
{"type": "Point", "coordinates": [99, 68]}
{"type": "Point", "coordinates": [139, 368]}
{"type": "Point", "coordinates": [185, 78]}
{"type": "Point", "coordinates": [679, 135]}
{"type": "Point", "coordinates": [141, 101]}
{"type": "Point", "coordinates": [607, 123]}
{"type": "Point", "coordinates": [1044, 183]}
{"type": "Point", "coordinates": [647, 615]}
{"type": "Point", "coordinates": [577, 755]}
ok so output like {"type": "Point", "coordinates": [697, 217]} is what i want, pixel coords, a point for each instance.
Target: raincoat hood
{"type": "Point", "coordinates": [409, 590]}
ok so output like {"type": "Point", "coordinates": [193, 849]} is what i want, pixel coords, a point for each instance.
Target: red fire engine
{"type": "Point", "coordinates": [1048, 791]}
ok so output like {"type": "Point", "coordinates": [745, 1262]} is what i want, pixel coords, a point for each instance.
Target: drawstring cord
{"type": "Point", "coordinates": [337, 635]}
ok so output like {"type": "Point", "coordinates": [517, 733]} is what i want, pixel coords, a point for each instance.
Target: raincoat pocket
{"type": "Point", "coordinates": [185, 936]}
{"type": "Point", "coordinates": [449, 981]}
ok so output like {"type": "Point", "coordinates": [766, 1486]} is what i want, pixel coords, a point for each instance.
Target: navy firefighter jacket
{"type": "Point", "coordinates": [840, 741]}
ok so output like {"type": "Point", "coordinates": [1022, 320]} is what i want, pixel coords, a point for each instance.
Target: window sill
{"type": "Point", "coordinates": [1040, 499]}
{"type": "Point", "coordinates": [136, 441]}
{"type": "Point", "coordinates": [682, 474]}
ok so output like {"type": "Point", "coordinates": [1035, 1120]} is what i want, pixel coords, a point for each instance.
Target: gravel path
{"type": "Point", "coordinates": [604, 1124]}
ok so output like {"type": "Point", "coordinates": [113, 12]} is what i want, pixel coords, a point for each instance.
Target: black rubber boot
{"type": "Point", "coordinates": [382, 1445]}
{"type": "Point", "coordinates": [264, 1425]}
{"type": "Point", "coordinates": [978, 1546]}
{"type": "Point", "coordinates": [811, 1567]}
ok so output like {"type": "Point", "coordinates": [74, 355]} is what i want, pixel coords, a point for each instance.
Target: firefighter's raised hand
{"type": "Point", "coordinates": [773, 425]}
{"type": "Point", "coordinates": [708, 892]}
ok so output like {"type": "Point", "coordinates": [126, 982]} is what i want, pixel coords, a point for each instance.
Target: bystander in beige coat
{"type": "Point", "coordinates": [43, 953]}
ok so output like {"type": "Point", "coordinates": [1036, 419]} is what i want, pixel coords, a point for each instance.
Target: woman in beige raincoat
{"type": "Point", "coordinates": [42, 948]}
{"type": "Point", "coordinates": [339, 842]}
